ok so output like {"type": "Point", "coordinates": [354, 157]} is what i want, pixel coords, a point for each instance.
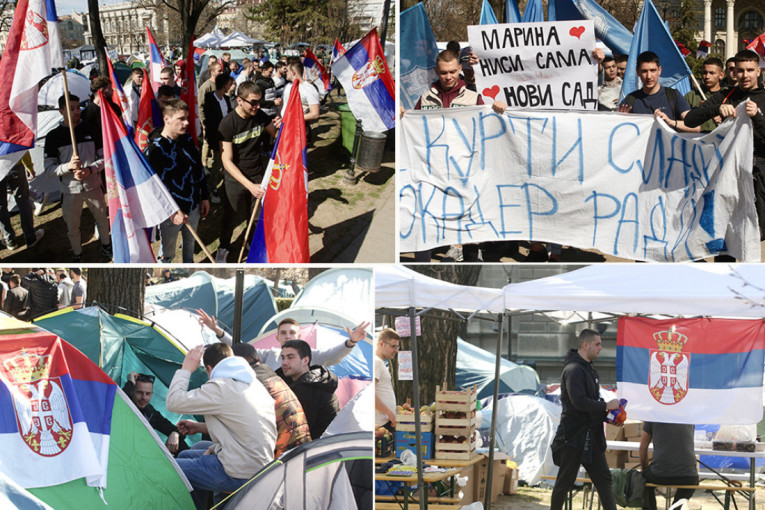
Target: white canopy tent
{"type": "Point", "coordinates": [210, 39]}
{"type": "Point", "coordinates": [237, 40]}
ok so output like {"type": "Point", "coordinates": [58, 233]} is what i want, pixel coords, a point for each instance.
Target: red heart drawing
{"type": "Point", "coordinates": [492, 92]}
{"type": "Point", "coordinates": [576, 31]}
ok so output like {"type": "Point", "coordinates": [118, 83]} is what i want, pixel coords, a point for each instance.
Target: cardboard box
{"type": "Point", "coordinates": [468, 491]}
{"type": "Point", "coordinates": [616, 459]}
{"type": "Point", "coordinates": [632, 429]}
{"type": "Point", "coordinates": [511, 480]}
{"type": "Point", "coordinates": [497, 481]}
{"type": "Point", "coordinates": [614, 432]}
{"type": "Point", "coordinates": [408, 441]}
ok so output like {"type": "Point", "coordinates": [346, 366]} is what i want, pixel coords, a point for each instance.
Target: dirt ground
{"type": "Point", "coordinates": [339, 212]}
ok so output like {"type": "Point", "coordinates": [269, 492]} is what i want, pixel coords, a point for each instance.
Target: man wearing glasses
{"type": "Point", "coordinates": [243, 134]}
{"type": "Point", "coordinates": [388, 342]}
{"type": "Point", "coordinates": [140, 387]}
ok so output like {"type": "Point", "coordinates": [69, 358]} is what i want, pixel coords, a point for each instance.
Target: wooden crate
{"type": "Point", "coordinates": [455, 451]}
{"type": "Point", "coordinates": [456, 426]}
{"type": "Point", "coordinates": [406, 422]}
{"type": "Point", "coordinates": [460, 401]}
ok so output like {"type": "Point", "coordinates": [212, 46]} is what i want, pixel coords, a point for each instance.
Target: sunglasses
{"type": "Point", "coordinates": [255, 103]}
{"type": "Point", "coordinates": [145, 378]}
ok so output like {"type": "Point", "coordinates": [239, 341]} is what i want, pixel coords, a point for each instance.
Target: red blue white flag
{"type": "Point", "coordinates": [691, 370]}
{"type": "Point", "coordinates": [55, 412]}
{"type": "Point", "coordinates": [149, 115]}
{"type": "Point", "coordinates": [54, 35]}
{"type": "Point", "coordinates": [368, 83]}
{"type": "Point", "coordinates": [315, 72]}
{"type": "Point", "coordinates": [758, 45]}
{"type": "Point", "coordinates": [282, 232]}
{"type": "Point", "coordinates": [337, 50]}
{"type": "Point", "coordinates": [137, 198]}
{"type": "Point", "coordinates": [156, 62]}
{"type": "Point", "coordinates": [703, 50]}
{"type": "Point", "coordinates": [26, 60]}
{"type": "Point", "coordinates": [119, 97]}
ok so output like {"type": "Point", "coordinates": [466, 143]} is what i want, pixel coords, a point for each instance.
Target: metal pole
{"type": "Point", "coordinates": [384, 23]}
{"type": "Point", "coordinates": [416, 397]}
{"type": "Point", "coordinates": [495, 399]}
{"type": "Point", "coordinates": [238, 298]}
{"type": "Point", "coordinates": [350, 175]}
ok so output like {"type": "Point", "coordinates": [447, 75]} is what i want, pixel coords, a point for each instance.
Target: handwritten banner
{"type": "Point", "coordinates": [537, 65]}
{"type": "Point", "coordinates": [624, 184]}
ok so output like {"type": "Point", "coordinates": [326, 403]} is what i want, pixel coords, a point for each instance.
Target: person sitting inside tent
{"type": "Point", "coordinates": [289, 329]}
{"type": "Point", "coordinates": [291, 424]}
{"type": "Point", "coordinates": [140, 388]}
{"type": "Point", "coordinates": [313, 385]}
{"type": "Point", "coordinates": [239, 417]}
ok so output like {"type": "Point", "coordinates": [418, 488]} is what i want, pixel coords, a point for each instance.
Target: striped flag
{"type": "Point", "coordinates": [368, 83]}
{"type": "Point", "coordinates": [691, 370]}
{"type": "Point", "coordinates": [337, 51]}
{"type": "Point", "coordinates": [157, 62]}
{"type": "Point", "coordinates": [55, 49]}
{"type": "Point", "coordinates": [758, 45]}
{"type": "Point", "coordinates": [137, 198]}
{"type": "Point", "coordinates": [703, 49]}
{"type": "Point", "coordinates": [149, 115]}
{"type": "Point", "coordinates": [315, 72]}
{"type": "Point", "coordinates": [118, 93]}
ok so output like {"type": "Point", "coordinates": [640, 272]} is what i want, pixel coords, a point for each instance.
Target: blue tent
{"type": "Point", "coordinates": [475, 366]}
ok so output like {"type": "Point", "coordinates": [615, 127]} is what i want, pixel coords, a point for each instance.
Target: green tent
{"type": "Point", "coordinates": [123, 71]}
{"type": "Point", "coordinates": [140, 474]}
{"type": "Point", "coordinates": [120, 344]}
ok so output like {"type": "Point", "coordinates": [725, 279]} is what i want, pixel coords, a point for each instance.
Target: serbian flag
{"type": "Point", "coordinates": [683, 49]}
{"type": "Point", "coordinates": [368, 83]}
{"type": "Point", "coordinates": [118, 93]}
{"type": "Point", "coordinates": [337, 51]}
{"type": "Point", "coordinates": [149, 116]}
{"type": "Point", "coordinates": [54, 35]}
{"type": "Point", "coordinates": [55, 412]}
{"type": "Point", "coordinates": [315, 72]}
{"type": "Point", "coordinates": [691, 370]}
{"type": "Point", "coordinates": [137, 198]}
{"type": "Point", "coordinates": [758, 45]}
{"type": "Point", "coordinates": [189, 93]}
{"type": "Point", "coordinates": [157, 62]}
{"type": "Point", "coordinates": [26, 60]}
{"type": "Point", "coordinates": [282, 232]}
{"type": "Point", "coordinates": [703, 49]}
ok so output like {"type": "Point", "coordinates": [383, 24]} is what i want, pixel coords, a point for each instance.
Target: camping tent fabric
{"type": "Point", "coordinates": [344, 290]}
{"type": "Point", "coordinates": [13, 495]}
{"type": "Point", "coordinates": [216, 297]}
{"type": "Point", "coordinates": [321, 465]}
{"type": "Point", "coordinates": [310, 315]}
{"type": "Point", "coordinates": [476, 366]}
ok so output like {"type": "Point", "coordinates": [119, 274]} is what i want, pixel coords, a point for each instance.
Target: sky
{"type": "Point", "coordinates": [69, 6]}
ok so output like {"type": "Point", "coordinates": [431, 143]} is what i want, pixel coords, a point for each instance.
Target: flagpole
{"type": "Point", "coordinates": [199, 241]}
{"type": "Point", "coordinates": [69, 116]}
{"type": "Point", "coordinates": [698, 87]}
{"type": "Point", "coordinates": [249, 227]}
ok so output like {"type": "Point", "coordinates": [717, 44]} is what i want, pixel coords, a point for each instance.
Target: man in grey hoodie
{"type": "Point", "coordinates": [239, 417]}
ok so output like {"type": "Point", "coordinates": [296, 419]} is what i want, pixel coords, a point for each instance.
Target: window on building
{"type": "Point", "coordinates": [750, 21]}
{"type": "Point", "coordinates": [720, 17]}
{"type": "Point", "coordinates": [719, 47]}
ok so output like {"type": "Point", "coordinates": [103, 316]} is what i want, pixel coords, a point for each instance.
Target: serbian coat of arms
{"type": "Point", "coordinates": [669, 368]}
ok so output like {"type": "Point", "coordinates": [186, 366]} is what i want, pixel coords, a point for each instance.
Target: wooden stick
{"type": "Point", "coordinates": [249, 227]}
{"type": "Point", "coordinates": [69, 116]}
{"type": "Point", "coordinates": [196, 236]}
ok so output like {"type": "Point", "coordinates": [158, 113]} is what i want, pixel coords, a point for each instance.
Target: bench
{"type": "Point", "coordinates": [398, 506]}
{"type": "Point", "coordinates": [586, 486]}
{"type": "Point", "coordinates": [730, 491]}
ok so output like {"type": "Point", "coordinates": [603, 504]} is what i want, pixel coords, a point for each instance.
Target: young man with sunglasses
{"type": "Point", "coordinates": [243, 135]}
{"type": "Point", "coordinates": [140, 388]}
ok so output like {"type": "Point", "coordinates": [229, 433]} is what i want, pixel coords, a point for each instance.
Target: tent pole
{"type": "Point", "coordinates": [495, 398]}
{"type": "Point", "coordinates": [416, 397]}
{"type": "Point", "coordinates": [238, 298]}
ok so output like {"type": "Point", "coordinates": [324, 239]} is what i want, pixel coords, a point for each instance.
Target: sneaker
{"type": "Point", "coordinates": [39, 233]}
{"type": "Point", "coordinates": [10, 244]}
{"type": "Point", "coordinates": [221, 256]}
{"type": "Point", "coordinates": [214, 197]}
{"type": "Point", "coordinates": [453, 255]}
{"type": "Point", "coordinates": [106, 250]}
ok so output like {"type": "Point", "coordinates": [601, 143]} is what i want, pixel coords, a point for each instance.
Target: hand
{"type": "Point", "coordinates": [277, 122]}
{"type": "Point", "coordinates": [751, 108]}
{"type": "Point", "coordinates": [624, 108]}
{"type": "Point", "coordinates": [357, 334]}
{"type": "Point", "coordinates": [661, 115]}
{"type": "Point", "coordinates": [210, 322]}
{"type": "Point", "coordinates": [598, 54]}
{"type": "Point", "coordinates": [193, 358]}
{"type": "Point", "coordinates": [402, 110]}
{"type": "Point", "coordinates": [178, 218]}
{"type": "Point", "coordinates": [612, 404]}
{"type": "Point", "coordinates": [499, 107]}
{"type": "Point", "coordinates": [172, 442]}
{"type": "Point", "coordinates": [189, 427]}
{"type": "Point", "coordinates": [472, 58]}
{"type": "Point", "coordinates": [204, 208]}
{"type": "Point", "coordinates": [74, 164]}
{"type": "Point", "coordinates": [133, 377]}
{"type": "Point", "coordinates": [718, 119]}
{"type": "Point", "coordinates": [391, 417]}
{"type": "Point", "coordinates": [81, 174]}
{"type": "Point", "coordinates": [257, 191]}
{"type": "Point", "coordinates": [727, 110]}
{"type": "Point", "coordinates": [278, 101]}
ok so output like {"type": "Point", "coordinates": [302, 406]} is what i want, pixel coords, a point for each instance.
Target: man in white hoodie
{"type": "Point", "coordinates": [239, 417]}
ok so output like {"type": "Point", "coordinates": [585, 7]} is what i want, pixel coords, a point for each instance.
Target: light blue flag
{"type": "Point", "coordinates": [534, 12]}
{"type": "Point", "coordinates": [418, 55]}
{"type": "Point", "coordinates": [487, 14]}
{"type": "Point", "coordinates": [512, 13]}
{"type": "Point", "coordinates": [617, 38]}
{"type": "Point", "coordinates": [652, 35]}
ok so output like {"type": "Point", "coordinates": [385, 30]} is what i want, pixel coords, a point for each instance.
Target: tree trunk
{"type": "Point", "coordinates": [437, 347]}
{"type": "Point", "coordinates": [117, 289]}
{"type": "Point", "coordinates": [98, 36]}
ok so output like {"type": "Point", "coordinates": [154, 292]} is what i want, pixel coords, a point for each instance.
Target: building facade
{"type": "Point", "coordinates": [124, 27]}
{"type": "Point", "coordinates": [72, 31]}
{"type": "Point", "coordinates": [728, 23]}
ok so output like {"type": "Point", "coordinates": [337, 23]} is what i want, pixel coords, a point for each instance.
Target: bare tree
{"type": "Point", "coordinates": [99, 42]}
{"type": "Point", "coordinates": [117, 289]}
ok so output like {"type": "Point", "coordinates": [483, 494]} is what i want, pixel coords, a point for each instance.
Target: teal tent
{"type": "Point", "coordinates": [476, 366]}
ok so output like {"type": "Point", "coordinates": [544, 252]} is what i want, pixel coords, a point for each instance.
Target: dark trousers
{"type": "Point", "coordinates": [16, 183]}
{"type": "Point", "coordinates": [758, 176]}
{"type": "Point", "coordinates": [650, 493]}
{"type": "Point", "coordinates": [237, 206]}
{"type": "Point", "coordinates": [570, 460]}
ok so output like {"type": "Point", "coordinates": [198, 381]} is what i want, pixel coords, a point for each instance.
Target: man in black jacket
{"type": "Point", "coordinates": [43, 292]}
{"type": "Point", "coordinates": [580, 439]}
{"type": "Point", "coordinates": [140, 388]}
{"type": "Point", "coordinates": [724, 103]}
{"type": "Point", "coordinates": [314, 385]}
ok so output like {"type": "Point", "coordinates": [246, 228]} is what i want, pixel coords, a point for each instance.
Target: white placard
{"type": "Point", "coordinates": [405, 365]}
{"type": "Point", "coordinates": [404, 326]}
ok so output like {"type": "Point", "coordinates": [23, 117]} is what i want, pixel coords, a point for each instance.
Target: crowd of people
{"type": "Point", "coordinates": [41, 291]}
{"type": "Point", "coordinates": [725, 86]}
{"type": "Point", "coordinates": [256, 403]}
{"type": "Point", "coordinates": [240, 106]}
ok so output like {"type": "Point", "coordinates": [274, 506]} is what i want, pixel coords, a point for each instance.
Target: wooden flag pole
{"type": "Point", "coordinates": [199, 241]}
{"type": "Point", "coordinates": [249, 227]}
{"type": "Point", "coordinates": [69, 116]}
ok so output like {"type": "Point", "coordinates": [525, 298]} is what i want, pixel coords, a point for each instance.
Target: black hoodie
{"type": "Point", "coordinates": [316, 392]}
{"type": "Point", "coordinates": [581, 422]}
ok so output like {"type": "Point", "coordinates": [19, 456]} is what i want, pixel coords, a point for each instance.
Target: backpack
{"type": "Point", "coordinates": [671, 97]}
{"type": "Point", "coordinates": [628, 485]}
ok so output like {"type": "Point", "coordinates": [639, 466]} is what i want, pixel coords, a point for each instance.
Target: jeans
{"type": "Point", "coordinates": [206, 473]}
{"type": "Point", "coordinates": [237, 207]}
{"type": "Point", "coordinates": [16, 183]}
{"type": "Point", "coordinates": [650, 493]}
{"type": "Point", "coordinates": [600, 474]}
{"type": "Point", "coordinates": [168, 233]}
